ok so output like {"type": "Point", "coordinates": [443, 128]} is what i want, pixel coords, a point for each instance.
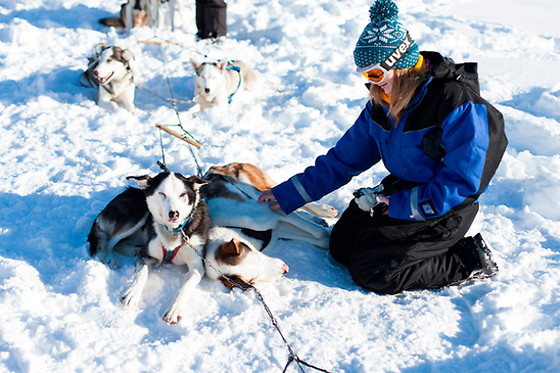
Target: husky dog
{"type": "Point", "coordinates": [174, 228]}
{"type": "Point", "coordinates": [132, 12]}
{"type": "Point", "coordinates": [217, 82]}
{"type": "Point", "coordinates": [232, 197]}
{"type": "Point", "coordinates": [111, 69]}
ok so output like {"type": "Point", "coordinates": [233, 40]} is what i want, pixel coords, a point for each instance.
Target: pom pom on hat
{"type": "Point", "coordinates": [381, 36]}
{"type": "Point", "coordinates": [383, 9]}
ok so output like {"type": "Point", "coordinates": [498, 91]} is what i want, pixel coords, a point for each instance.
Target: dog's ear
{"type": "Point", "coordinates": [233, 247]}
{"type": "Point", "coordinates": [142, 181]}
{"type": "Point", "coordinates": [195, 64]}
{"type": "Point", "coordinates": [222, 64]}
{"type": "Point", "coordinates": [196, 182]}
{"type": "Point", "coordinates": [100, 48]}
{"type": "Point", "coordinates": [127, 55]}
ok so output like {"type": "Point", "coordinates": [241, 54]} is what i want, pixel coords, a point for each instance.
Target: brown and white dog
{"type": "Point", "coordinates": [232, 196]}
{"type": "Point", "coordinates": [111, 70]}
{"type": "Point", "coordinates": [133, 12]}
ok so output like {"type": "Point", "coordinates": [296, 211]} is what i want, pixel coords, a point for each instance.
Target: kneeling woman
{"type": "Point", "coordinates": [441, 143]}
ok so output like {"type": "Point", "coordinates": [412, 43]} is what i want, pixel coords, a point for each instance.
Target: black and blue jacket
{"type": "Point", "coordinates": [467, 129]}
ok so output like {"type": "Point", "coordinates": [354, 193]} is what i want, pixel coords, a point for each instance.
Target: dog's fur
{"type": "Point", "coordinates": [248, 173]}
{"type": "Point", "coordinates": [232, 197]}
{"type": "Point", "coordinates": [111, 69]}
{"type": "Point", "coordinates": [138, 18]}
{"type": "Point", "coordinates": [217, 83]}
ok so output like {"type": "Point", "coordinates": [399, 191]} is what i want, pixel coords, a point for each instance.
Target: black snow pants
{"type": "Point", "coordinates": [211, 18]}
{"type": "Point", "coordinates": [389, 255]}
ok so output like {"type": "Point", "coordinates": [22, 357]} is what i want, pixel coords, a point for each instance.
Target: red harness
{"type": "Point", "coordinates": [169, 255]}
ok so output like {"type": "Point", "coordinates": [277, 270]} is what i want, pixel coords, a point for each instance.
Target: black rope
{"type": "Point", "coordinates": [292, 356]}
{"type": "Point", "coordinates": [173, 102]}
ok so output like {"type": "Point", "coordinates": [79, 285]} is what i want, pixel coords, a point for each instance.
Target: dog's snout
{"type": "Point", "coordinates": [173, 214]}
{"type": "Point", "coordinates": [285, 269]}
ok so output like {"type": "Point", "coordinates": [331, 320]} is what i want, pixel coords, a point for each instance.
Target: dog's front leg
{"type": "Point", "coordinates": [191, 279]}
{"type": "Point", "coordinates": [195, 109]}
{"type": "Point", "coordinates": [104, 100]}
{"type": "Point", "coordinates": [131, 297]}
{"type": "Point", "coordinates": [128, 99]}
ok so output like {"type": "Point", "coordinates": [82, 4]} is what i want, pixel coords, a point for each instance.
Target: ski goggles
{"type": "Point", "coordinates": [377, 72]}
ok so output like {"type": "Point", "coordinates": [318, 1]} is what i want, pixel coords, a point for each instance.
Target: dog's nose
{"type": "Point", "coordinates": [285, 269]}
{"type": "Point", "coordinates": [207, 90]}
{"type": "Point", "coordinates": [173, 214]}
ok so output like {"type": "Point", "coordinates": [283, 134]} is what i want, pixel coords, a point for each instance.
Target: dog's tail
{"type": "Point", "coordinates": [111, 22]}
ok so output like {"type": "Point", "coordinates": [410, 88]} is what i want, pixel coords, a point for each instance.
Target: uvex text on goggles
{"type": "Point", "coordinates": [378, 71]}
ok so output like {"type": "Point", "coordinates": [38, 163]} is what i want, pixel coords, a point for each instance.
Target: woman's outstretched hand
{"type": "Point", "coordinates": [268, 197]}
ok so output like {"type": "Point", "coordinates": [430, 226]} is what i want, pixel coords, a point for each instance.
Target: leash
{"type": "Point", "coordinates": [173, 101]}
{"type": "Point", "coordinates": [292, 356]}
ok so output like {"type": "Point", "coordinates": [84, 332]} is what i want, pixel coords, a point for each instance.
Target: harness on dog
{"type": "Point", "coordinates": [168, 255]}
{"type": "Point", "coordinates": [231, 66]}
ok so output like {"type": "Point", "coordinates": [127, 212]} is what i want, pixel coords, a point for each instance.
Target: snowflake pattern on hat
{"type": "Point", "coordinates": [381, 36]}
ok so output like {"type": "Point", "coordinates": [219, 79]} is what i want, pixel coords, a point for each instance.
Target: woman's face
{"type": "Point", "coordinates": [387, 83]}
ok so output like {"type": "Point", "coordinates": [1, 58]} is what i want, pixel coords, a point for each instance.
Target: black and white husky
{"type": "Point", "coordinates": [170, 221]}
{"type": "Point", "coordinates": [164, 218]}
{"type": "Point", "coordinates": [111, 69]}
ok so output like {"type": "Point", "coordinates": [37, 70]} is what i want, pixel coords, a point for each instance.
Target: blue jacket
{"type": "Point", "coordinates": [471, 132]}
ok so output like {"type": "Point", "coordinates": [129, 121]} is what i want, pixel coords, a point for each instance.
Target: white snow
{"type": "Point", "coordinates": [63, 158]}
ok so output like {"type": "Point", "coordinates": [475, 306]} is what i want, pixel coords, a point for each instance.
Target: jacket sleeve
{"type": "Point", "coordinates": [466, 140]}
{"type": "Point", "coordinates": [355, 152]}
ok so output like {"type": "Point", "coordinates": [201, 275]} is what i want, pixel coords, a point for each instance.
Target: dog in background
{"type": "Point", "coordinates": [217, 82]}
{"type": "Point", "coordinates": [111, 70]}
{"type": "Point", "coordinates": [137, 9]}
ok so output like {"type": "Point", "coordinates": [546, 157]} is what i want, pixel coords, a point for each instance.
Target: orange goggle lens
{"type": "Point", "coordinates": [375, 75]}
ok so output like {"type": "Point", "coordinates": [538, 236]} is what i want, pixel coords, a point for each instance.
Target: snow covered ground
{"type": "Point", "coordinates": [62, 158]}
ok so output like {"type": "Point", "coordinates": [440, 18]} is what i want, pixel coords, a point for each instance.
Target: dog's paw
{"type": "Point", "coordinates": [111, 261]}
{"type": "Point", "coordinates": [131, 297]}
{"type": "Point", "coordinates": [172, 315]}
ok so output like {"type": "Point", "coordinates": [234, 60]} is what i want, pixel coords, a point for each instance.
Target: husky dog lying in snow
{"type": "Point", "coordinates": [217, 82]}
{"type": "Point", "coordinates": [168, 219]}
{"type": "Point", "coordinates": [111, 69]}
{"type": "Point", "coordinates": [232, 197]}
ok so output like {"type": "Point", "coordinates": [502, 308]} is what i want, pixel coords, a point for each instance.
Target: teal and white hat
{"type": "Point", "coordinates": [382, 36]}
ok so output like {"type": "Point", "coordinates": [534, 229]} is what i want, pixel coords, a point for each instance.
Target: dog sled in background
{"type": "Point", "coordinates": [111, 70]}
{"type": "Point", "coordinates": [216, 83]}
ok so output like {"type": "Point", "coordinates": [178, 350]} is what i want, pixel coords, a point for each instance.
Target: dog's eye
{"type": "Point", "coordinates": [162, 194]}
{"type": "Point", "coordinates": [183, 195]}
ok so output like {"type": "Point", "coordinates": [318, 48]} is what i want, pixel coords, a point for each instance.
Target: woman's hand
{"type": "Point", "coordinates": [268, 197]}
{"type": "Point", "coordinates": [385, 200]}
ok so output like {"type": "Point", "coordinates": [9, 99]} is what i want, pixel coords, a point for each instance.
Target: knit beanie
{"type": "Point", "coordinates": [381, 36]}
